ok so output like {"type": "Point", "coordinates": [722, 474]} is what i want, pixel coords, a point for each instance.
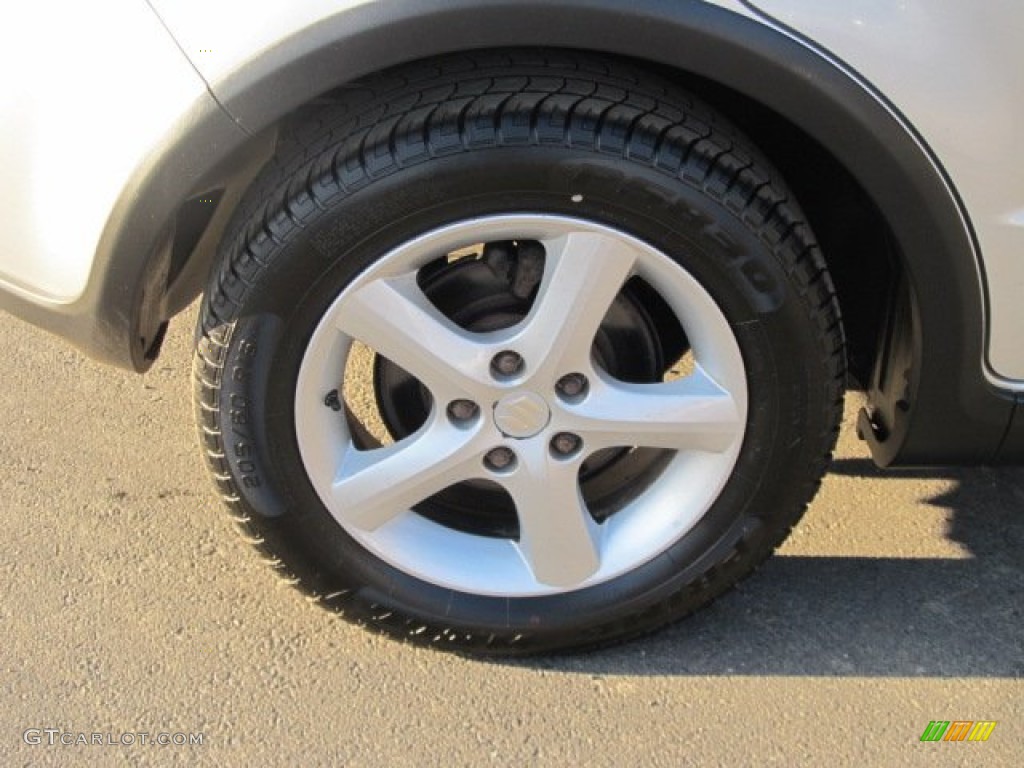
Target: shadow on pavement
{"type": "Point", "coordinates": [862, 616]}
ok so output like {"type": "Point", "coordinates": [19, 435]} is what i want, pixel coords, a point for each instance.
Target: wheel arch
{"type": "Point", "coordinates": [929, 399]}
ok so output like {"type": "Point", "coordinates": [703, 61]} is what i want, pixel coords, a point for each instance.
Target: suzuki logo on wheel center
{"type": "Point", "coordinates": [521, 415]}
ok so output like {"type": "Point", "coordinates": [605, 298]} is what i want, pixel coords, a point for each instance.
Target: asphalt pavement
{"type": "Point", "coordinates": [130, 607]}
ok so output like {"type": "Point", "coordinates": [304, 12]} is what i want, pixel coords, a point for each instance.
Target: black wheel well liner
{"type": "Point", "coordinates": [913, 262]}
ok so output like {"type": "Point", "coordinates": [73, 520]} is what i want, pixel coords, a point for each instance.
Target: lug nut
{"type": "Point", "coordinates": [507, 363]}
{"type": "Point", "coordinates": [462, 410]}
{"type": "Point", "coordinates": [566, 443]}
{"type": "Point", "coordinates": [572, 385]}
{"type": "Point", "coordinates": [500, 458]}
{"type": "Point", "coordinates": [333, 401]}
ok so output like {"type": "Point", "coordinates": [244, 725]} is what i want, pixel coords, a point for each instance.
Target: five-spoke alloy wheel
{"type": "Point", "coordinates": [519, 429]}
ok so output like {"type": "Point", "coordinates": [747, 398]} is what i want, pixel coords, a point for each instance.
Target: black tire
{"type": "Point", "coordinates": [408, 151]}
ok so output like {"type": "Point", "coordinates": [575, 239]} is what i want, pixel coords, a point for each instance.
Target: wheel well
{"type": "Point", "coordinates": [897, 240]}
{"type": "Point", "coordinates": [856, 242]}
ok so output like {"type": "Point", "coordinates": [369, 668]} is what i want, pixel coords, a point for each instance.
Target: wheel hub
{"type": "Point", "coordinates": [521, 415]}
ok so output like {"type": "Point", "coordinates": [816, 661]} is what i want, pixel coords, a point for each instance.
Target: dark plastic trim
{"type": "Point", "coordinates": [1012, 449]}
{"type": "Point", "coordinates": [950, 413]}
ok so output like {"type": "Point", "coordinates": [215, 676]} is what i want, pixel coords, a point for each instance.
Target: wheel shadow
{"type": "Point", "coordinates": [863, 616]}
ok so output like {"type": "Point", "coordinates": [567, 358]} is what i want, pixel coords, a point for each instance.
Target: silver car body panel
{"type": "Point", "coordinates": [957, 81]}
{"type": "Point", "coordinates": [71, 141]}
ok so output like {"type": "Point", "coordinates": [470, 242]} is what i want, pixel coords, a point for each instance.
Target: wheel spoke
{"type": "Point", "coordinates": [373, 487]}
{"type": "Point", "coordinates": [583, 273]}
{"type": "Point", "coordinates": [397, 320]}
{"type": "Point", "coordinates": [693, 413]}
{"type": "Point", "coordinates": [558, 538]}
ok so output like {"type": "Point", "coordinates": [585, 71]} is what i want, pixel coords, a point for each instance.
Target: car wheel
{"type": "Point", "coordinates": [515, 353]}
